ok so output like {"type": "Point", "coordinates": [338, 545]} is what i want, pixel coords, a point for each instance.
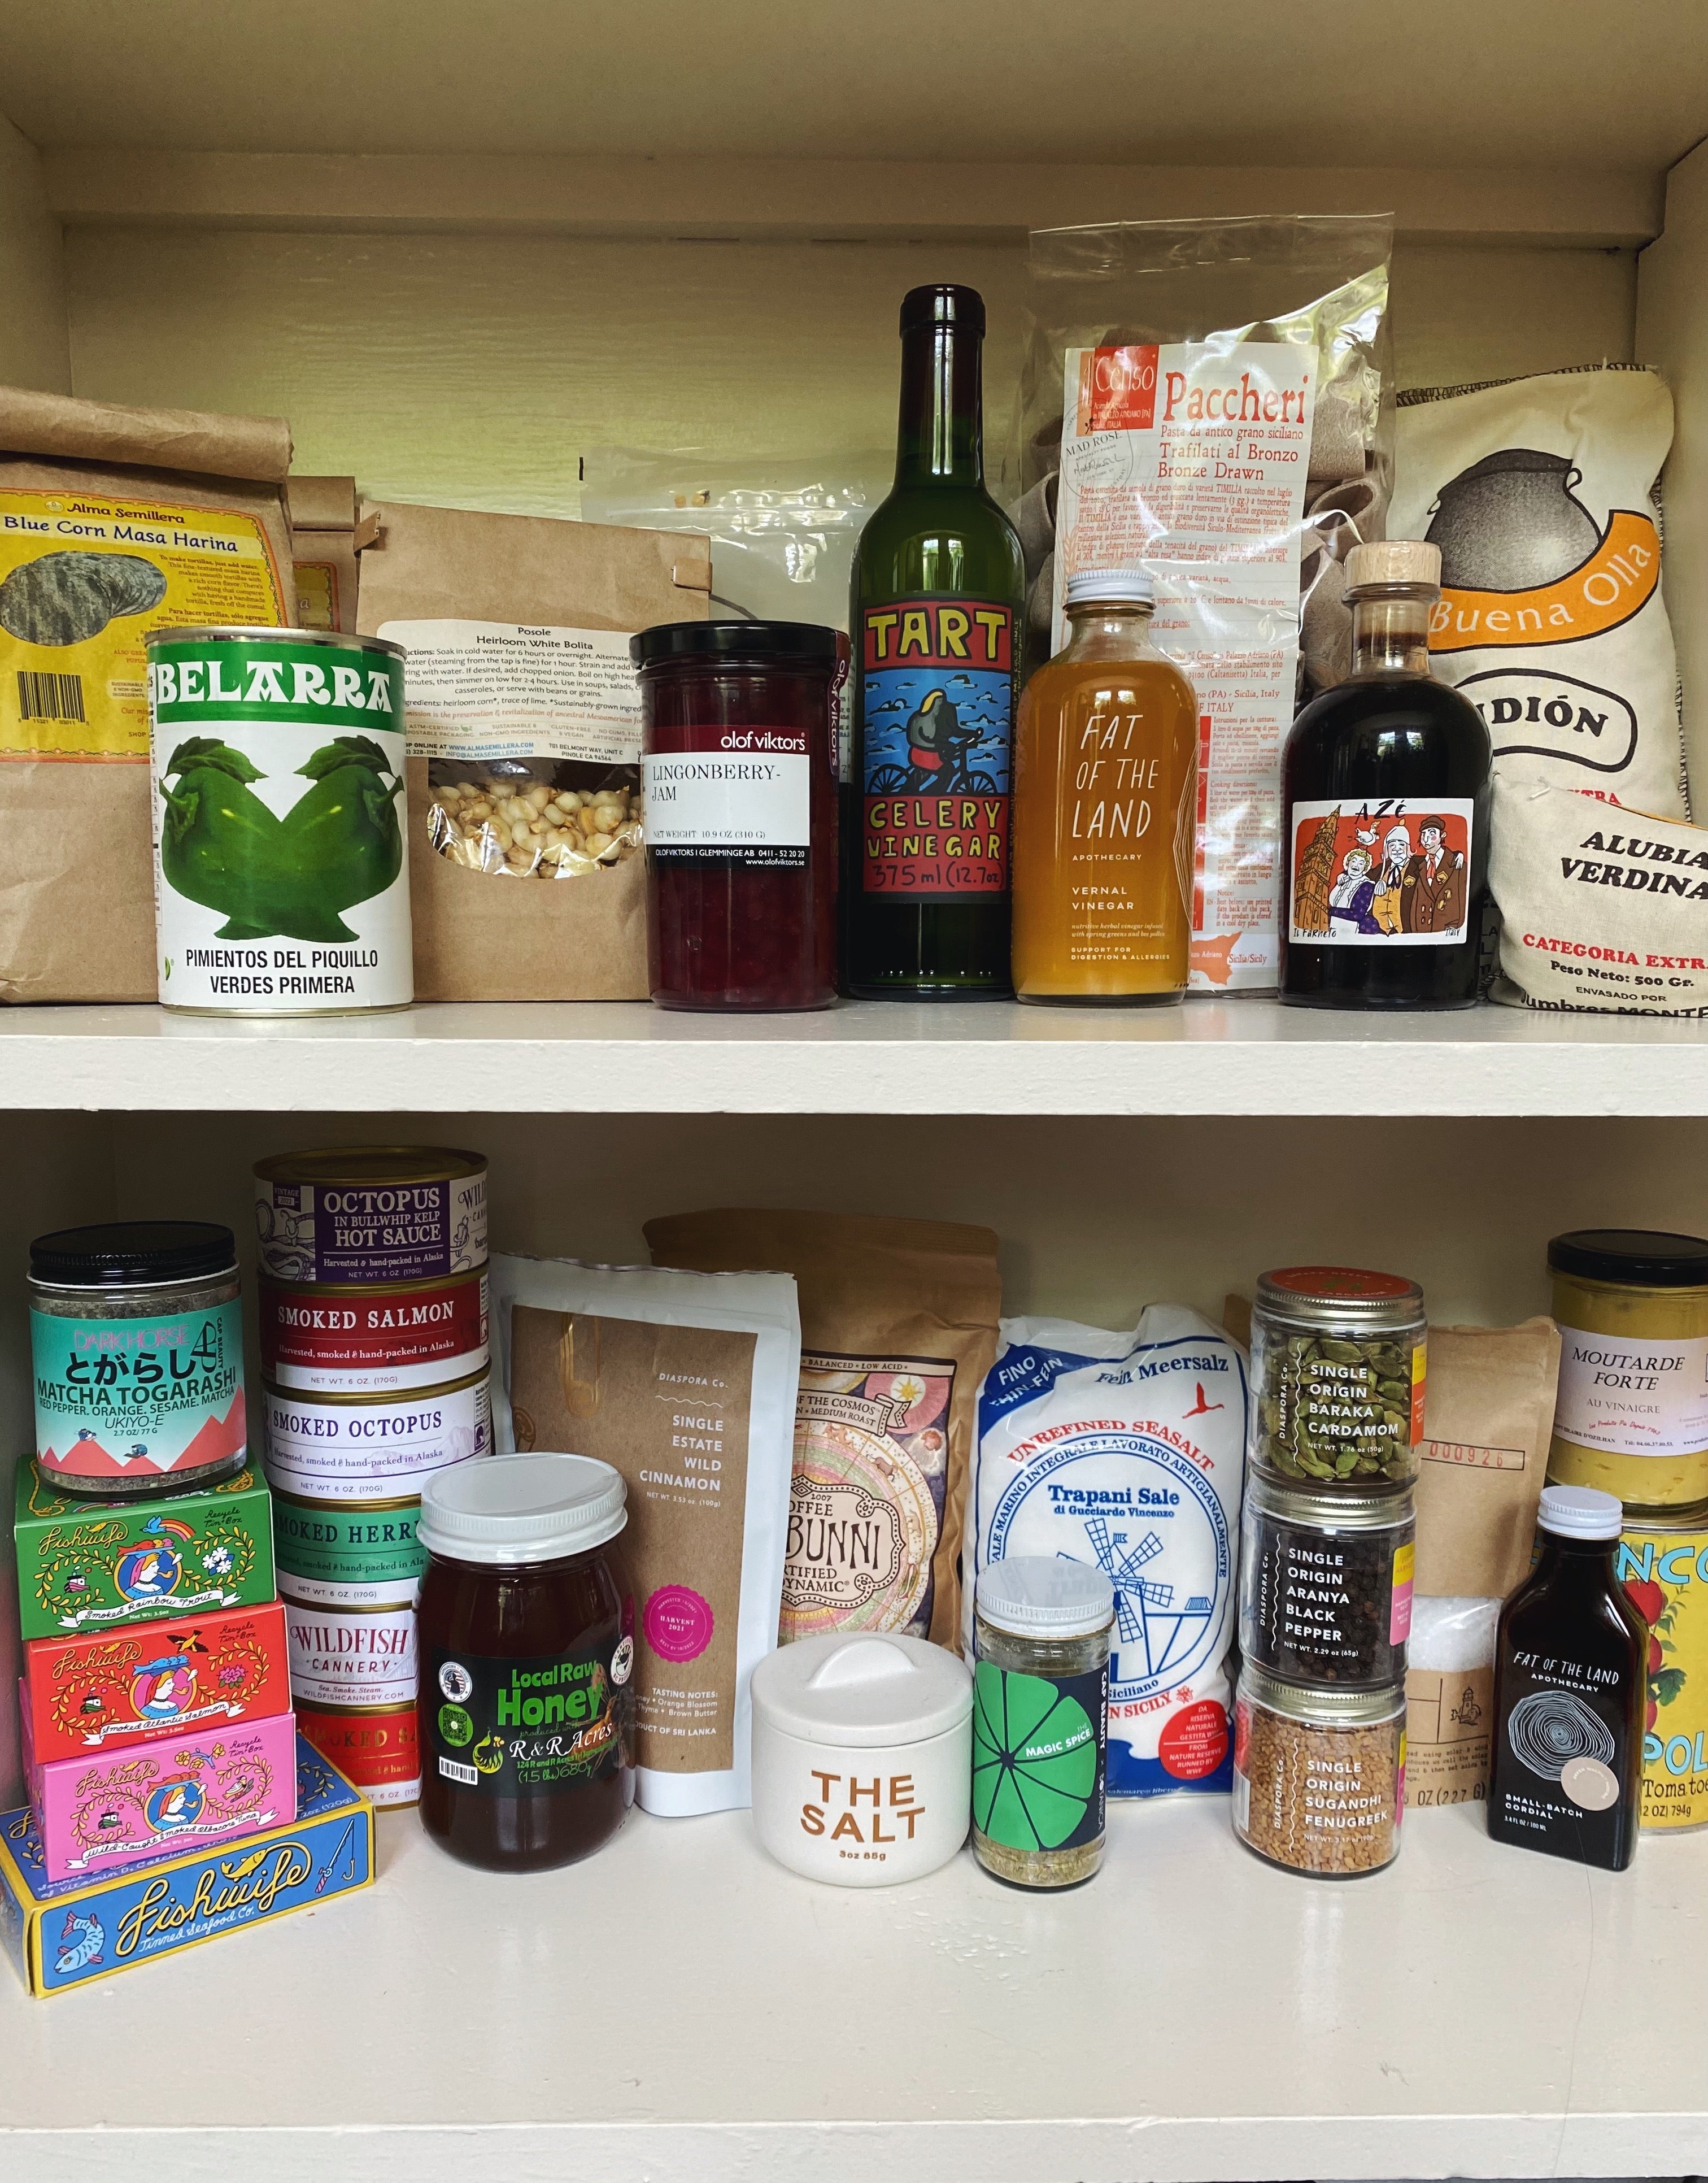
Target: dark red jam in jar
{"type": "Point", "coordinates": [527, 1654]}
{"type": "Point", "coordinates": [739, 768]}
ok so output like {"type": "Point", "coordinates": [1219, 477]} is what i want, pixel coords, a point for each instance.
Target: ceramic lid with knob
{"type": "Point", "coordinates": [861, 1690]}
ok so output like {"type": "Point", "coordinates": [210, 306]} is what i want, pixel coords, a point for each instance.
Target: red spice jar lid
{"type": "Point", "coordinates": [1316, 1295]}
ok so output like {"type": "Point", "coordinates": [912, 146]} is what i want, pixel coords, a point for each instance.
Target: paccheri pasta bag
{"type": "Point", "coordinates": [1603, 910]}
{"type": "Point", "coordinates": [898, 1327]}
{"type": "Point", "coordinates": [685, 1384]}
{"type": "Point", "coordinates": [523, 720]}
{"type": "Point", "coordinates": [1126, 1451]}
{"type": "Point", "coordinates": [113, 522]}
{"type": "Point", "coordinates": [1541, 495]}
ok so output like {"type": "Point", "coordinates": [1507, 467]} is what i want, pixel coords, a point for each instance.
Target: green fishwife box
{"type": "Point", "coordinates": [87, 1565]}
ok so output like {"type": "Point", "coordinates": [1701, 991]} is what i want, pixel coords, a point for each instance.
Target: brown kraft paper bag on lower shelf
{"type": "Point", "coordinates": [113, 521]}
{"type": "Point", "coordinates": [898, 1328]}
{"type": "Point", "coordinates": [323, 545]}
{"type": "Point", "coordinates": [501, 594]}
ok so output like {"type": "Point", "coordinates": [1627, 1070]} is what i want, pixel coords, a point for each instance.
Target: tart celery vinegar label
{"type": "Point", "coordinates": [277, 773]}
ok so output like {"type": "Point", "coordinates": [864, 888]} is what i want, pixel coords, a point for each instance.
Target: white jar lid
{"type": "Point", "coordinates": [862, 1690]}
{"type": "Point", "coordinates": [514, 1510]}
{"type": "Point", "coordinates": [1581, 1512]}
{"type": "Point", "coordinates": [1046, 1596]}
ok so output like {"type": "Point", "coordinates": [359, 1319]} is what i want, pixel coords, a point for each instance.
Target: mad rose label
{"type": "Point", "coordinates": [938, 705]}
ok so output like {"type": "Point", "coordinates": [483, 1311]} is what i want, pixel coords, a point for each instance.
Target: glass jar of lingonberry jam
{"type": "Point", "coordinates": [739, 768]}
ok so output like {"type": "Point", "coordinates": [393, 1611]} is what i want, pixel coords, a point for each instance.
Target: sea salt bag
{"type": "Point", "coordinates": [685, 1383]}
{"type": "Point", "coordinates": [1541, 494]}
{"type": "Point", "coordinates": [1126, 1451]}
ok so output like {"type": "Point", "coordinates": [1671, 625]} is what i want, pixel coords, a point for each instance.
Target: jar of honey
{"type": "Point", "coordinates": [526, 1651]}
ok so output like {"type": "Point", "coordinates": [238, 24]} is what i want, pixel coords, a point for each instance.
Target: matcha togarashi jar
{"type": "Point", "coordinates": [1631, 1416]}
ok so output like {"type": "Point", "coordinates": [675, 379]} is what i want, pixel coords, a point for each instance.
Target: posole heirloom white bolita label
{"type": "Point", "coordinates": [482, 690]}
{"type": "Point", "coordinates": [350, 1655]}
{"type": "Point", "coordinates": [1632, 1398]}
{"type": "Point", "coordinates": [318, 1448]}
{"type": "Point", "coordinates": [276, 763]}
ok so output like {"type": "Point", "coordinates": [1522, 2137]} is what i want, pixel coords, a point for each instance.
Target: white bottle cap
{"type": "Point", "coordinates": [1045, 1596]}
{"type": "Point", "coordinates": [1118, 586]}
{"type": "Point", "coordinates": [512, 1511]}
{"type": "Point", "coordinates": [1580, 1512]}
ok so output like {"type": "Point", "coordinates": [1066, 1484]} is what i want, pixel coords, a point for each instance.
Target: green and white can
{"type": "Point", "coordinates": [281, 886]}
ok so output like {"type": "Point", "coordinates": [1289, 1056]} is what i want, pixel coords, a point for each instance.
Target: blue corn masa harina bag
{"type": "Point", "coordinates": [1127, 1450]}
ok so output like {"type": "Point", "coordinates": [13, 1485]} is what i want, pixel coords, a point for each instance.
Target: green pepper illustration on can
{"type": "Point", "coordinates": [281, 885]}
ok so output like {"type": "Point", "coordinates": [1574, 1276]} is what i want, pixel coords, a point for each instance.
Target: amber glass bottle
{"type": "Point", "coordinates": [1105, 796]}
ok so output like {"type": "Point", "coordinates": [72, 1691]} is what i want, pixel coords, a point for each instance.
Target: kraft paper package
{"type": "Point", "coordinates": [322, 546]}
{"type": "Point", "coordinates": [518, 678]}
{"type": "Point", "coordinates": [1602, 910]}
{"type": "Point", "coordinates": [898, 1327]}
{"type": "Point", "coordinates": [114, 521]}
{"type": "Point", "coordinates": [685, 1384]}
{"type": "Point", "coordinates": [1542, 495]}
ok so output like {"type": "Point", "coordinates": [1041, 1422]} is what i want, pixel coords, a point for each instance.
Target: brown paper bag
{"type": "Point", "coordinates": [898, 1327]}
{"type": "Point", "coordinates": [1488, 1414]}
{"type": "Point", "coordinates": [113, 521]}
{"type": "Point", "coordinates": [1449, 1715]}
{"type": "Point", "coordinates": [323, 545]}
{"type": "Point", "coordinates": [478, 936]}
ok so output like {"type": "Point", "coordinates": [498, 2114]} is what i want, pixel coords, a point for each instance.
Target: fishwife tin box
{"type": "Point", "coordinates": [65, 1933]}
{"type": "Point", "coordinates": [87, 1565]}
{"type": "Point", "coordinates": [112, 1690]}
{"type": "Point", "coordinates": [118, 1808]}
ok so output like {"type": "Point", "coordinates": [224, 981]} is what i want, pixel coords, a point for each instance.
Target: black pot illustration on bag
{"type": "Point", "coordinates": [1512, 523]}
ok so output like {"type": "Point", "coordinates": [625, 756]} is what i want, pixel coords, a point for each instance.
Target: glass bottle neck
{"type": "Point", "coordinates": [1390, 635]}
{"type": "Point", "coordinates": [1109, 630]}
{"type": "Point", "coordinates": [940, 437]}
{"type": "Point", "coordinates": [1587, 1562]}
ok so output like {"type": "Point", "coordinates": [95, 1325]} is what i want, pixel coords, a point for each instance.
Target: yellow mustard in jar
{"type": "Point", "coordinates": [1631, 1416]}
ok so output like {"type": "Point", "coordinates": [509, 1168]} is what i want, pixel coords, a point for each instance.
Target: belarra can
{"type": "Point", "coordinates": [373, 1340]}
{"type": "Point", "coordinates": [276, 773]}
{"type": "Point", "coordinates": [1663, 1564]}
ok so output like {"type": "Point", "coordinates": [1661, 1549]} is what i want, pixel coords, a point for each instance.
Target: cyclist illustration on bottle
{"type": "Point", "coordinates": [940, 747]}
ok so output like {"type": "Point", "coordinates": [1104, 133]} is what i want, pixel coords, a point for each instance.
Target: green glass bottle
{"type": "Point", "coordinates": [935, 622]}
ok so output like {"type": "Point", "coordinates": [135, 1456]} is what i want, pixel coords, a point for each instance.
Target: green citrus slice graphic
{"type": "Point", "coordinates": [1034, 1759]}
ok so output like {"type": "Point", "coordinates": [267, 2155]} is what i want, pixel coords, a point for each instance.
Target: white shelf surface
{"type": "Point", "coordinates": [1237, 1057]}
{"type": "Point", "coordinates": [681, 2010]}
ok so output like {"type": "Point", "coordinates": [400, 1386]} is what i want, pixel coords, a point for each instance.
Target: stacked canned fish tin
{"type": "Point", "coordinates": [375, 1373]}
{"type": "Point", "coordinates": [1325, 1578]}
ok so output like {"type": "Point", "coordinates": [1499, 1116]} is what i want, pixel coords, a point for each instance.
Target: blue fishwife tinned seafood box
{"type": "Point", "coordinates": [63, 1933]}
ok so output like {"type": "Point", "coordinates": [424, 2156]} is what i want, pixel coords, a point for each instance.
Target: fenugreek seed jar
{"type": "Point", "coordinates": [1040, 1720]}
{"type": "Point", "coordinates": [1319, 1775]}
{"type": "Point", "coordinates": [1338, 1369]}
{"type": "Point", "coordinates": [1631, 1416]}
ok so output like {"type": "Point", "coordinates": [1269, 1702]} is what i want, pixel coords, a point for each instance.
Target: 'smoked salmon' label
{"type": "Point", "coordinates": [340, 1341]}
{"type": "Point", "coordinates": [318, 1446]}
{"type": "Point", "coordinates": [276, 767]}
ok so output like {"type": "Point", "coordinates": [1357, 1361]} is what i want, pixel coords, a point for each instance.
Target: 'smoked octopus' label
{"type": "Point", "coordinates": [361, 1655]}
{"type": "Point", "coordinates": [358, 1451]}
{"type": "Point", "coordinates": [128, 1398]}
{"type": "Point", "coordinates": [378, 1748]}
{"type": "Point", "coordinates": [338, 1233]}
{"type": "Point", "coordinates": [344, 1342]}
{"type": "Point", "coordinates": [276, 767]}
{"type": "Point", "coordinates": [361, 1557]}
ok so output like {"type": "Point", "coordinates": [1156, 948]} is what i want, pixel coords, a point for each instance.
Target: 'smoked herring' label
{"type": "Point", "coordinates": [276, 771]}
{"type": "Point", "coordinates": [366, 1556]}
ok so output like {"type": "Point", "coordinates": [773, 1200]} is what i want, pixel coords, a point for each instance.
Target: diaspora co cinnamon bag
{"type": "Point", "coordinates": [113, 522]}
{"type": "Point", "coordinates": [685, 1384]}
{"type": "Point", "coordinates": [523, 722]}
{"type": "Point", "coordinates": [898, 1326]}
{"type": "Point", "coordinates": [1541, 494]}
{"type": "Point", "coordinates": [1602, 910]}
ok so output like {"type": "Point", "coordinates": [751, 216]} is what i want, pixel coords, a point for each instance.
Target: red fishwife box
{"type": "Point", "coordinates": [113, 1689]}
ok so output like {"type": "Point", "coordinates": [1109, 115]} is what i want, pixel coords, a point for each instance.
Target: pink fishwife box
{"type": "Point", "coordinates": [99, 1813]}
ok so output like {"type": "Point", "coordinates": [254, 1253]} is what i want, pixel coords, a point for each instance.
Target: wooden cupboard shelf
{"type": "Point", "coordinates": [681, 2010]}
{"type": "Point", "coordinates": [1240, 1056]}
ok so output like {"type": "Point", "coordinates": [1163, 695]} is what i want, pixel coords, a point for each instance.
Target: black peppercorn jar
{"type": "Point", "coordinates": [1325, 1585]}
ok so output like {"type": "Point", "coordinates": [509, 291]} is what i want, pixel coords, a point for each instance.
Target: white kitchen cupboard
{"type": "Point", "coordinates": [458, 246]}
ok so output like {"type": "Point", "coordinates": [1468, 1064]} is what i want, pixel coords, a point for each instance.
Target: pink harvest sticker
{"type": "Point", "coordinates": [678, 1623]}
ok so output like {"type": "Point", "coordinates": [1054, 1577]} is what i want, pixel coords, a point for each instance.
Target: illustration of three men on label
{"type": "Point", "coordinates": [1415, 889]}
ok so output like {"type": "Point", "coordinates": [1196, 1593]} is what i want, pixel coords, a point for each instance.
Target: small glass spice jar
{"type": "Point", "coordinates": [738, 765]}
{"type": "Point", "coordinates": [1325, 1584]}
{"type": "Point", "coordinates": [1337, 1366]}
{"type": "Point", "coordinates": [526, 1644]}
{"type": "Point", "coordinates": [136, 1353]}
{"type": "Point", "coordinates": [1319, 1775]}
{"type": "Point", "coordinates": [1040, 1720]}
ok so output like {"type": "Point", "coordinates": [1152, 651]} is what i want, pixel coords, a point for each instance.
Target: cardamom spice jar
{"type": "Point", "coordinates": [1337, 1365]}
{"type": "Point", "coordinates": [1041, 1717]}
{"type": "Point", "coordinates": [1325, 1583]}
{"type": "Point", "coordinates": [1319, 1775]}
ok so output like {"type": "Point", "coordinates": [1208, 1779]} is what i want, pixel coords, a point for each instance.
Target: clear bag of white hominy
{"type": "Point", "coordinates": [1126, 1451]}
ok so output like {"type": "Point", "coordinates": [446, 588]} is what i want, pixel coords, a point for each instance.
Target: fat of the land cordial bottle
{"type": "Point", "coordinates": [936, 621]}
